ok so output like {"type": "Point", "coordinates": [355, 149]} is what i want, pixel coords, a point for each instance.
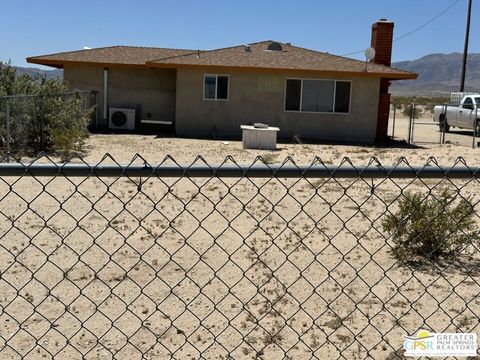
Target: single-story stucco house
{"type": "Point", "coordinates": [303, 92]}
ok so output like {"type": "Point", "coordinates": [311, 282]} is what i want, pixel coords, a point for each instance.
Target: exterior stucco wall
{"type": "Point", "coordinates": [152, 91]}
{"type": "Point", "coordinates": [177, 95]}
{"type": "Point", "coordinates": [86, 78]}
{"type": "Point", "coordinates": [259, 97]}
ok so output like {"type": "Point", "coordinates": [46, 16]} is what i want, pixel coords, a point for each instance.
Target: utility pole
{"type": "Point", "coordinates": [465, 50]}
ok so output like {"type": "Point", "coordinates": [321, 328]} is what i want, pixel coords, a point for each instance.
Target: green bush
{"type": "Point", "coordinates": [431, 228]}
{"type": "Point", "coordinates": [13, 84]}
{"type": "Point", "coordinates": [47, 121]}
{"type": "Point", "coordinates": [416, 111]}
{"type": "Point", "coordinates": [65, 119]}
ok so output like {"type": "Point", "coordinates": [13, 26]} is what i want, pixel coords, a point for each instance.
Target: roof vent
{"type": "Point", "coordinates": [247, 48]}
{"type": "Point", "coordinates": [275, 46]}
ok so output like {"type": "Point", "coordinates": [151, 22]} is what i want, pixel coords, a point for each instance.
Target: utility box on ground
{"type": "Point", "coordinates": [259, 136]}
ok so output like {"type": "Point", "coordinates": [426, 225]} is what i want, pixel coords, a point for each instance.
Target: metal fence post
{"type": "Point", "coordinates": [442, 129]}
{"type": "Point", "coordinates": [410, 125]}
{"type": "Point", "coordinates": [393, 125]}
{"type": "Point", "coordinates": [475, 125]}
{"type": "Point", "coordinates": [42, 114]}
{"type": "Point", "coordinates": [7, 135]}
{"type": "Point", "coordinates": [96, 109]}
{"type": "Point", "coordinates": [414, 113]}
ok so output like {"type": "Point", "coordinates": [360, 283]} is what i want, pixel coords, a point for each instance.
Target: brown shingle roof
{"type": "Point", "coordinates": [290, 58]}
{"type": "Point", "coordinates": [122, 55]}
{"type": "Point", "coordinates": [258, 57]}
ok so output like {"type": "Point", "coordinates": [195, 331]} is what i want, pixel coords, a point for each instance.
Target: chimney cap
{"type": "Point", "coordinates": [383, 20]}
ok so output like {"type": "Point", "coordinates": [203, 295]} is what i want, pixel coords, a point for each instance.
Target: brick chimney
{"type": "Point", "coordinates": [382, 40]}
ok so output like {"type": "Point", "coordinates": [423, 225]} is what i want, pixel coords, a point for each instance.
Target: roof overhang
{"type": "Point", "coordinates": [46, 62]}
{"type": "Point", "coordinates": [390, 76]}
{"type": "Point", "coordinates": [59, 64]}
{"type": "Point", "coordinates": [223, 68]}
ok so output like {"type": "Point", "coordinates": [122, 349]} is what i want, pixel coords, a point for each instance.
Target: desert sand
{"type": "Point", "coordinates": [210, 268]}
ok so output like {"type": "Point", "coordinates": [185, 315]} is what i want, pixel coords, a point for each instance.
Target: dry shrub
{"type": "Point", "coordinates": [430, 228]}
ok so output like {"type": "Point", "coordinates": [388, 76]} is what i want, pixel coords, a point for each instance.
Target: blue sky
{"type": "Point", "coordinates": [343, 26]}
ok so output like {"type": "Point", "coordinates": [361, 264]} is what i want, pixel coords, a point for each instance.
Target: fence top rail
{"type": "Point", "coordinates": [262, 170]}
{"type": "Point", "coordinates": [78, 92]}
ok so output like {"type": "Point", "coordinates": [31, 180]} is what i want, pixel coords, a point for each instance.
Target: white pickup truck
{"type": "Point", "coordinates": [459, 113]}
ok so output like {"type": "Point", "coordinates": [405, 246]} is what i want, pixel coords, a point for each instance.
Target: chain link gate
{"type": "Point", "coordinates": [231, 261]}
{"type": "Point", "coordinates": [413, 123]}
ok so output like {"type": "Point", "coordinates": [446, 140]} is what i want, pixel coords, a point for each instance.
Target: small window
{"type": "Point", "coordinates": [215, 87]}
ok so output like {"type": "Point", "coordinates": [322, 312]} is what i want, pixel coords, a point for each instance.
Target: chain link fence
{"type": "Point", "coordinates": [27, 122]}
{"type": "Point", "coordinates": [231, 261]}
{"type": "Point", "coordinates": [414, 124]}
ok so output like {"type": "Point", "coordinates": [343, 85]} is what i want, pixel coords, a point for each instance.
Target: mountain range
{"type": "Point", "coordinates": [439, 74]}
{"type": "Point", "coordinates": [49, 74]}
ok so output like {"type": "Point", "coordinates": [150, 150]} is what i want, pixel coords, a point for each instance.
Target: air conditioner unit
{"type": "Point", "coordinates": [122, 119]}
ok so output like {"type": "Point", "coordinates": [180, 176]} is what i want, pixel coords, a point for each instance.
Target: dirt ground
{"type": "Point", "coordinates": [221, 268]}
{"type": "Point", "coordinates": [155, 149]}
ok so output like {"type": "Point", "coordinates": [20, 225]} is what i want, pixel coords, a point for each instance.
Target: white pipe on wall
{"type": "Point", "coordinates": [105, 95]}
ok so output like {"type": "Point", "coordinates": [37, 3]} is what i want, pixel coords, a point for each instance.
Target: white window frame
{"type": "Point", "coordinates": [318, 112]}
{"type": "Point", "coordinates": [216, 82]}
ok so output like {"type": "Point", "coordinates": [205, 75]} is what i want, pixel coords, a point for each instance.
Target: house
{"type": "Point", "coordinates": [304, 92]}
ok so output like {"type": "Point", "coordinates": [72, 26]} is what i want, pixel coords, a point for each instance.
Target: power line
{"type": "Point", "coordinates": [428, 22]}
{"type": "Point", "coordinates": [414, 30]}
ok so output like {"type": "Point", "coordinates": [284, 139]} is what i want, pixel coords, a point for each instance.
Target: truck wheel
{"type": "Point", "coordinates": [444, 127]}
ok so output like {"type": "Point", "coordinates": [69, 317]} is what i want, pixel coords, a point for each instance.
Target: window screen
{"type": "Point", "coordinates": [292, 95]}
{"type": "Point", "coordinates": [317, 95]}
{"type": "Point", "coordinates": [209, 87]}
{"type": "Point", "coordinates": [342, 97]}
